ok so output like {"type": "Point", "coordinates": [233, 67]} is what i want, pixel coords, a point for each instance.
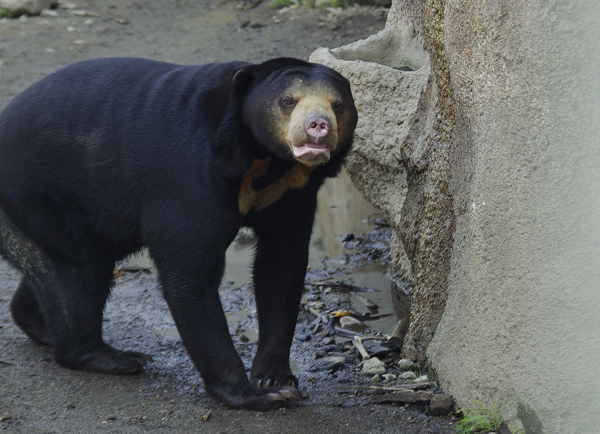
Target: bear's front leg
{"type": "Point", "coordinates": [279, 272]}
{"type": "Point", "coordinates": [190, 265]}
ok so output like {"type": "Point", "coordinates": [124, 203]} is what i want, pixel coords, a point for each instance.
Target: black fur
{"type": "Point", "coordinates": [106, 156]}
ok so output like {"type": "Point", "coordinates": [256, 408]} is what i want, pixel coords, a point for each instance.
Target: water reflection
{"type": "Point", "coordinates": [341, 209]}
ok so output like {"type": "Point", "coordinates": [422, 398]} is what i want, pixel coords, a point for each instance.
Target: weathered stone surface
{"type": "Point", "coordinates": [526, 247]}
{"type": "Point", "coordinates": [25, 7]}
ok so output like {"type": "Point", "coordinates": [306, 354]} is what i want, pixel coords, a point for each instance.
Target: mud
{"type": "Point", "coordinates": [38, 396]}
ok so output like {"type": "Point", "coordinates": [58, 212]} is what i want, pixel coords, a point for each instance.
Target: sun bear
{"type": "Point", "coordinates": [104, 157]}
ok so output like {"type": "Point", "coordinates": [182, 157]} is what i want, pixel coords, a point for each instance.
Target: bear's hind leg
{"type": "Point", "coordinates": [26, 313]}
{"type": "Point", "coordinates": [61, 298]}
{"type": "Point", "coordinates": [72, 300]}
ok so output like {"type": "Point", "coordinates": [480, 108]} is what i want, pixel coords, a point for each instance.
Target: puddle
{"type": "Point", "coordinates": [341, 210]}
{"type": "Point", "coordinates": [374, 278]}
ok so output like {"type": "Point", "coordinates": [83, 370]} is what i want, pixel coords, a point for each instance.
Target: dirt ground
{"type": "Point", "coordinates": [38, 396]}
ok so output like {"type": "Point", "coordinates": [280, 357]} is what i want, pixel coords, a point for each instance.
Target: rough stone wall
{"type": "Point", "coordinates": [500, 213]}
{"type": "Point", "coordinates": [521, 322]}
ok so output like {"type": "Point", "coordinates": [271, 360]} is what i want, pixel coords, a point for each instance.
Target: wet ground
{"type": "Point", "coordinates": [38, 396]}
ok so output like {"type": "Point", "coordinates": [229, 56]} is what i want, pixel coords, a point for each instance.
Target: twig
{"type": "Point", "coordinates": [386, 389]}
{"type": "Point", "coordinates": [340, 286]}
{"type": "Point", "coordinates": [358, 343]}
{"type": "Point", "coordinates": [318, 314]}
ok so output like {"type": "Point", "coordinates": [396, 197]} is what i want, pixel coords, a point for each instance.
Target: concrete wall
{"type": "Point", "coordinates": [509, 125]}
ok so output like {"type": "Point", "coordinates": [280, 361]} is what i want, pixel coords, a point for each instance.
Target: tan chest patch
{"type": "Point", "coordinates": [249, 198]}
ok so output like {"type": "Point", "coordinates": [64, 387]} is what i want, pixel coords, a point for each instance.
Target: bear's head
{"type": "Point", "coordinates": [298, 110]}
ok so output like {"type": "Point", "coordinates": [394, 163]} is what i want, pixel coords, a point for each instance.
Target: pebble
{"type": "Point", "coordinates": [352, 324]}
{"type": "Point", "coordinates": [335, 359]}
{"type": "Point", "coordinates": [373, 366]}
{"type": "Point", "coordinates": [421, 379]}
{"type": "Point", "coordinates": [49, 13]}
{"type": "Point", "coordinates": [409, 375]}
{"type": "Point", "coordinates": [328, 340]}
{"type": "Point", "coordinates": [441, 405]}
{"type": "Point", "coordinates": [5, 416]}
{"type": "Point", "coordinates": [389, 377]}
{"type": "Point", "coordinates": [406, 365]}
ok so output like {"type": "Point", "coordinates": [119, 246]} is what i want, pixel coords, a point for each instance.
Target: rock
{"type": "Point", "coordinates": [389, 377]}
{"type": "Point", "coordinates": [346, 237]}
{"type": "Point", "coordinates": [329, 340]}
{"type": "Point", "coordinates": [376, 378]}
{"type": "Point", "coordinates": [25, 7]}
{"type": "Point", "coordinates": [409, 375]}
{"type": "Point", "coordinates": [49, 13]}
{"type": "Point", "coordinates": [5, 416]}
{"type": "Point", "coordinates": [373, 366]}
{"type": "Point", "coordinates": [352, 324]}
{"type": "Point", "coordinates": [421, 379]}
{"type": "Point", "coordinates": [406, 365]}
{"type": "Point", "coordinates": [332, 363]}
{"type": "Point", "coordinates": [441, 405]}
{"type": "Point", "coordinates": [335, 359]}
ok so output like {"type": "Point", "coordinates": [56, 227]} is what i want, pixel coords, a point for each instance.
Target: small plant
{"type": "Point", "coordinates": [4, 13]}
{"type": "Point", "coordinates": [335, 4]}
{"type": "Point", "coordinates": [480, 419]}
{"type": "Point", "coordinates": [280, 4]}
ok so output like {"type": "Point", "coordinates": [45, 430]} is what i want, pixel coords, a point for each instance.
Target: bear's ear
{"type": "Point", "coordinates": [244, 78]}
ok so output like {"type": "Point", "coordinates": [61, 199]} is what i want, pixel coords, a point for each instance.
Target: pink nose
{"type": "Point", "coordinates": [317, 126]}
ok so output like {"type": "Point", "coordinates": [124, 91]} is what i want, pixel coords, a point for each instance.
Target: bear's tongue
{"type": "Point", "coordinates": [312, 149]}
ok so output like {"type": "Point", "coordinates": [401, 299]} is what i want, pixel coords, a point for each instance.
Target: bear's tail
{"type": "Point", "coordinates": [19, 250]}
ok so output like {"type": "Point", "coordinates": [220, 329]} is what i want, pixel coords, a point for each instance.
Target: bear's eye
{"type": "Point", "coordinates": [338, 106]}
{"type": "Point", "coordinates": [288, 101]}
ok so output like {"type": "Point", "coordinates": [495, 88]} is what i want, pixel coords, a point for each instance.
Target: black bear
{"type": "Point", "coordinates": [106, 156]}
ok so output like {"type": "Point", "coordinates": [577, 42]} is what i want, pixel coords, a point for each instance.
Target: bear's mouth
{"type": "Point", "coordinates": [317, 152]}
